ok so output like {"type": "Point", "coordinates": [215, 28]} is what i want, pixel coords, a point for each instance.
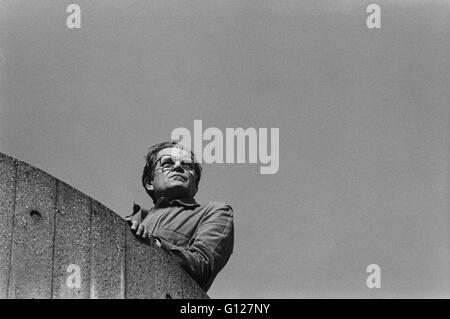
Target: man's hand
{"type": "Point", "coordinates": [136, 221]}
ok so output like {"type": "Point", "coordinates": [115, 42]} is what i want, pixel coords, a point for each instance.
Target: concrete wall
{"type": "Point", "coordinates": [56, 242]}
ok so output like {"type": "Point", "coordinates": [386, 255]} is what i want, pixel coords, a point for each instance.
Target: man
{"type": "Point", "coordinates": [199, 237]}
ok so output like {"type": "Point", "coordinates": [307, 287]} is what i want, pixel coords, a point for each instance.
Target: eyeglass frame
{"type": "Point", "coordinates": [190, 170]}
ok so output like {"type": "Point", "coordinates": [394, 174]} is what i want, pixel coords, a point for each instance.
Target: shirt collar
{"type": "Point", "coordinates": [187, 202]}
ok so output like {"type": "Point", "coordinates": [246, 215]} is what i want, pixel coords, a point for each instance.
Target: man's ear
{"type": "Point", "coordinates": [148, 185]}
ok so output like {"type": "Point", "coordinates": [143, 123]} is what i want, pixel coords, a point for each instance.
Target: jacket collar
{"type": "Point", "coordinates": [186, 202]}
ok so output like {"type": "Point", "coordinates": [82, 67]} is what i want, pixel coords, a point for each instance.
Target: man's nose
{"type": "Point", "coordinates": [178, 167]}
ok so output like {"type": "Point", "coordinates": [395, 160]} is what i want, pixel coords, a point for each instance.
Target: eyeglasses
{"type": "Point", "coordinates": [168, 162]}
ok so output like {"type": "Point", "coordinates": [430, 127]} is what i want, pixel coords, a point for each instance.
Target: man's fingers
{"type": "Point", "coordinates": [134, 224]}
{"type": "Point", "coordinates": [128, 219]}
{"type": "Point", "coordinates": [140, 230]}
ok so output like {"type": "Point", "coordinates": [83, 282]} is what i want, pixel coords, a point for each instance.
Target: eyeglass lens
{"type": "Point", "coordinates": [168, 162]}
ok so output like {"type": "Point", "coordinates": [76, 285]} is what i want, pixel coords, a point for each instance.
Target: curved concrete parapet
{"type": "Point", "coordinates": [56, 242]}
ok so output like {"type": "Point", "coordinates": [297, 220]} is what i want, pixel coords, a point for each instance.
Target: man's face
{"type": "Point", "coordinates": [173, 174]}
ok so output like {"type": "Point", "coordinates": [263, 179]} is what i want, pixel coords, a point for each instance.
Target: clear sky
{"type": "Point", "coordinates": [362, 113]}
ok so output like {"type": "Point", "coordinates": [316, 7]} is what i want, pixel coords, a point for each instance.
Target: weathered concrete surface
{"type": "Point", "coordinates": [32, 246]}
{"type": "Point", "coordinates": [161, 276]}
{"type": "Point", "coordinates": [7, 200]}
{"type": "Point", "coordinates": [140, 261]}
{"type": "Point", "coordinates": [108, 254]}
{"type": "Point", "coordinates": [56, 242]}
{"type": "Point", "coordinates": [71, 263]}
{"type": "Point", "coordinates": [175, 279]}
{"type": "Point", "coordinates": [191, 290]}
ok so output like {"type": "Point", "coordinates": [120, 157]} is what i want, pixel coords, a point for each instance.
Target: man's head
{"type": "Point", "coordinates": [170, 171]}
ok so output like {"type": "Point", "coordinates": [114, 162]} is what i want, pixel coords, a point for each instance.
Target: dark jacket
{"type": "Point", "coordinates": [198, 237]}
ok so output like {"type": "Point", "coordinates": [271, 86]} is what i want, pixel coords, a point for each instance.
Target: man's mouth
{"type": "Point", "coordinates": [178, 177]}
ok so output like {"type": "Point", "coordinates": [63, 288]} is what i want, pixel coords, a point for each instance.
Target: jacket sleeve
{"type": "Point", "coordinates": [209, 249]}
